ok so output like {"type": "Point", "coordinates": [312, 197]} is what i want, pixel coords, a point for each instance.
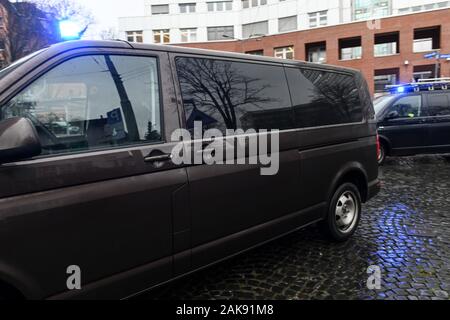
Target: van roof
{"type": "Point", "coordinates": [71, 45]}
{"type": "Point", "coordinates": [17, 72]}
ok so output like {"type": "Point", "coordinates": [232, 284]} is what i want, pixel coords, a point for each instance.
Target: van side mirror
{"type": "Point", "coordinates": [392, 115]}
{"type": "Point", "coordinates": [18, 140]}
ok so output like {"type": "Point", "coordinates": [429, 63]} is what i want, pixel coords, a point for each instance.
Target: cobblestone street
{"type": "Point", "coordinates": [405, 230]}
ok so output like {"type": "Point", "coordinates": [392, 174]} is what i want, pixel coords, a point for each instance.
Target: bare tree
{"type": "Point", "coordinates": [108, 34]}
{"type": "Point", "coordinates": [27, 29]}
{"type": "Point", "coordinates": [67, 9]}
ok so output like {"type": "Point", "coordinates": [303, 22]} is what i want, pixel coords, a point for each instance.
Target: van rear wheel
{"type": "Point", "coordinates": [344, 213]}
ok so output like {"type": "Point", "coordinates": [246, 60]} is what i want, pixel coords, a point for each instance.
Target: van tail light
{"type": "Point", "coordinates": [378, 147]}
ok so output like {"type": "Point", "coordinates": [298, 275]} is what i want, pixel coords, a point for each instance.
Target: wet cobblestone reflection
{"type": "Point", "coordinates": [404, 230]}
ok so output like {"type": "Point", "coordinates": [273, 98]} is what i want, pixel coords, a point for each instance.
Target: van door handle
{"type": "Point", "coordinates": [158, 158]}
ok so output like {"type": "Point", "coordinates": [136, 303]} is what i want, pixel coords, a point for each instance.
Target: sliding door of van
{"type": "Point", "coordinates": [100, 196]}
{"type": "Point", "coordinates": [227, 200]}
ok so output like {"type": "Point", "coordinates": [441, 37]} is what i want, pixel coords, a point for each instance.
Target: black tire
{"type": "Point", "coordinates": [383, 152]}
{"type": "Point", "coordinates": [340, 231]}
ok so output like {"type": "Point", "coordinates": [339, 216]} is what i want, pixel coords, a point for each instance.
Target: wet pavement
{"type": "Point", "coordinates": [405, 231]}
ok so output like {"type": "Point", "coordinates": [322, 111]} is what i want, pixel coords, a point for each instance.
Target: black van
{"type": "Point", "coordinates": [92, 203]}
{"type": "Point", "coordinates": [414, 119]}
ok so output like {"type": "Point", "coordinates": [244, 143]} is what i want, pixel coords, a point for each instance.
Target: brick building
{"type": "Point", "coordinates": [24, 29]}
{"type": "Point", "coordinates": [387, 51]}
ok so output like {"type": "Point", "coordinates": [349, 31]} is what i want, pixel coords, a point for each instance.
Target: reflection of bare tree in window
{"type": "Point", "coordinates": [337, 90]}
{"type": "Point", "coordinates": [221, 87]}
{"type": "Point", "coordinates": [127, 108]}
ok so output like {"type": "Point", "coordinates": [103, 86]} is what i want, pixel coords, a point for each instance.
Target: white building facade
{"type": "Point", "coordinates": [169, 21]}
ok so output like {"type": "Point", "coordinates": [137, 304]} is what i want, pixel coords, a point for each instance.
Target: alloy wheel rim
{"type": "Point", "coordinates": [346, 211]}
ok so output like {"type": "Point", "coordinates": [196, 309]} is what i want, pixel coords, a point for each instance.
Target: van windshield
{"type": "Point", "coordinates": [380, 103]}
{"type": "Point", "coordinates": [4, 72]}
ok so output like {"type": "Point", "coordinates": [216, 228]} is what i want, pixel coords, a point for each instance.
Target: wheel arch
{"type": "Point", "coordinates": [384, 140]}
{"type": "Point", "coordinates": [352, 172]}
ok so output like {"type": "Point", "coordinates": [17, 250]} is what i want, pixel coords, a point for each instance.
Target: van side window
{"type": "Point", "coordinates": [323, 98]}
{"type": "Point", "coordinates": [234, 95]}
{"type": "Point", "coordinates": [438, 105]}
{"type": "Point", "coordinates": [408, 107]}
{"type": "Point", "coordinates": [92, 102]}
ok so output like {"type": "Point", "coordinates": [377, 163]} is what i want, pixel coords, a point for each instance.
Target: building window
{"type": "Point", "coordinates": [430, 6]}
{"type": "Point", "coordinates": [284, 52]}
{"type": "Point", "coordinates": [385, 49]}
{"type": "Point", "coordinates": [161, 36]}
{"type": "Point", "coordinates": [385, 77]}
{"type": "Point", "coordinates": [188, 35]}
{"type": "Point", "coordinates": [404, 10]}
{"type": "Point", "coordinates": [255, 29]}
{"type": "Point", "coordinates": [187, 7]}
{"type": "Point", "coordinates": [256, 52]}
{"type": "Point", "coordinates": [319, 18]}
{"type": "Point", "coordinates": [425, 72]}
{"type": "Point", "coordinates": [160, 9]}
{"type": "Point", "coordinates": [135, 36]}
{"type": "Point", "coordinates": [423, 45]}
{"type": "Point", "coordinates": [363, 9]}
{"type": "Point", "coordinates": [316, 52]}
{"type": "Point", "coordinates": [220, 6]}
{"type": "Point", "coordinates": [253, 3]}
{"type": "Point", "coordinates": [427, 39]}
{"type": "Point", "coordinates": [350, 49]}
{"type": "Point", "coordinates": [287, 24]}
{"type": "Point", "coordinates": [219, 33]}
{"type": "Point", "coordinates": [386, 44]}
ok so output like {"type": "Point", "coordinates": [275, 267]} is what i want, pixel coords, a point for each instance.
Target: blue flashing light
{"type": "Point", "coordinates": [69, 30]}
{"type": "Point", "coordinates": [400, 89]}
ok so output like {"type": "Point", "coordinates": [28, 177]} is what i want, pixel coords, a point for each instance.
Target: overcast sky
{"type": "Point", "coordinates": [106, 12]}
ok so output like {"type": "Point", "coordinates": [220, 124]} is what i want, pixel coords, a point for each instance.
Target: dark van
{"type": "Point", "coordinates": [414, 119]}
{"type": "Point", "coordinates": [92, 203]}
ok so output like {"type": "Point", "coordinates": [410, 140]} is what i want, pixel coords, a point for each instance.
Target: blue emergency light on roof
{"type": "Point", "coordinates": [421, 85]}
{"type": "Point", "coordinates": [69, 30]}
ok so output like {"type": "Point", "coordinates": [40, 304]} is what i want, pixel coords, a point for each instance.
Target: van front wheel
{"type": "Point", "coordinates": [344, 213]}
